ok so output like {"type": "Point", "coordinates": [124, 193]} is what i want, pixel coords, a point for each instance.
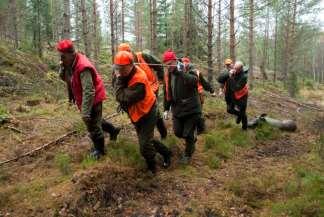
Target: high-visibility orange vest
{"type": "Point", "coordinates": [240, 93]}
{"type": "Point", "coordinates": [143, 107]}
{"type": "Point", "coordinates": [200, 87]}
{"type": "Point", "coordinates": [149, 72]}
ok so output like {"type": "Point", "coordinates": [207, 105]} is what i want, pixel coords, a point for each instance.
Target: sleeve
{"type": "Point", "coordinates": [206, 85]}
{"type": "Point", "coordinates": [158, 68]}
{"type": "Point", "coordinates": [190, 78]}
{"type": "Point", "coordinates": [223, 77]}
{"type": "Point", "coordinates": [127, 96]}
{"type": "Point", "coordinates": [166, 102]}
{"type": "Point", "coordinates": [241, 82]}
{"type": "Point", "coordinates": [88, 92]}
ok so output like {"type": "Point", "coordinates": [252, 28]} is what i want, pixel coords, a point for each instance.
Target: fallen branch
{"type": "Point", "coordinates": [15, 129]}
{"type": "Point", "coordinates": [54, 142]}
{"type": "Point", "coordinates": [58, 140]}
{"type": "Point", "coordinates": [305, 105]}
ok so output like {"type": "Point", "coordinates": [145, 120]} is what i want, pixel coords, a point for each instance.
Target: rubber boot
{"type": "Point", "coordinates": [98, 148]}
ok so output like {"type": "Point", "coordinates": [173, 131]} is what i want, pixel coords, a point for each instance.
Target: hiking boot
{"type": "Point", "coordinates": [96, 154]}
{"type": "Point", "coordinates": [167, 160]}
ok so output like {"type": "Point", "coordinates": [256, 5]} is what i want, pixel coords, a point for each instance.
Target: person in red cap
{"type": "Point", "coordinates": [136, 97]}
{"type": "Point", "coordinates": [154, 72]}
{"type": "Point", "coordinates": [181, 94]}
{"type": "Point", "coordinates": [89, 92]}
{"type": "Point", "coordinates": [202, 85]}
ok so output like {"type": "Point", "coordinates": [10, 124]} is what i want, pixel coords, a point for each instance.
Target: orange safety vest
{"type": "Point", "coordinates": [143, 107]}
{"type": "Point", "coordinates": [240, 93]}
{"type": "Point", "coordinates": [200, 87]}
{"type": "Point", "coordinates": [148, 71]}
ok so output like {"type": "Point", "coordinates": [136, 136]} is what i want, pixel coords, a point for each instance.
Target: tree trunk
{"type": "Point", "coordinates": [232, 31]}
{"type": "Point", "coordinates": [112, 31]}
{"type": "Point", "coordinates": [275, 49]}
{"type": "Point", "coordinates": [66, 20]}
{"type": "Point", "coordinates": [210, 41]}
{"type": "Point", "coordinates": [218, 40]}
{"type": "Point", "coordinates": [85, 29]}
{"type": "Point", "coordinates": [14, 28]}
{"type": "Point", "coordinates": [95, 31]}
{"type": "Point", "coordinates": [186, 28]}
{"type": "Point", "coordinates": [251, 42]}
{"type": "Point", "coordinates": [153, 26]}
{"type": "Point", "coordinates": [123, 19]}
{"type": "Point", "coordinates": [264, 62]}
{"type": "Point", "coordinates": [39, 37]}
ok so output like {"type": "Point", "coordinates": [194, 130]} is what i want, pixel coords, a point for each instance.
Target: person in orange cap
{"type": "Point", "coordinates": [88, 92]}
{"type": "Point", "coordinates": [154, 72]}
{"type": "Point", "coordinates": [202, 85]}
{"type": "Point", "coordinates": [136, 97]}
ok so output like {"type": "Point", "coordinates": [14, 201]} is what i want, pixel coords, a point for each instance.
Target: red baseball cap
{"type": "Point", "coordinates": [169, 55]}
{"type": "Point", "coordinates": [65, 46]}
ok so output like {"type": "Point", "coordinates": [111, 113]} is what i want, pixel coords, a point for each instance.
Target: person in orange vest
{"type": "Point", "coordinates": [236, 90]}
{"type": "Point", "coordinates": [136, 97]}
{"type": "Point", "coordinates": [228, 63]}
{"type": "Point", "coordinates": [181, 94]}
{"type": "Point", "coordinates": [89, 92]}
{"type": "Point", "coordinates": [150, 64]}
{"type": "Point", "coordinates": [202, 85]}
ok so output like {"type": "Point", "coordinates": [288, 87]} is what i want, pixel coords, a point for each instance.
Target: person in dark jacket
{"type": "Point", "coordinates": [202, 85]}
{"type": "Point", "coordinates": [154, 72]}
{"type": "Point", "coordinates": [181, 94]}
{"type": "Point", "coordinates": [88, 92]}
{"type": "Point", "coordinates": [136, 97]}
{"type": "Point", "coordinates": [236, 92]}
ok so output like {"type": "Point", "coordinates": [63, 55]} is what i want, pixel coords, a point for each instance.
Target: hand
{"type": "Point", "coordinates": [213, 94]}
{"type": "Point", "coordinates": [220, 92]}
{"type": "Point", "coordinates": [165, 115]}
{"type": "Point", "coordinates": [232, 72]}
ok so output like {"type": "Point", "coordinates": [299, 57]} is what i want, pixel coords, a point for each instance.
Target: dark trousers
{"type": "Point", "coordinates": [160, 125]}
{"type": "Point", "coordinates": [186, 128]}
{"type": "Point", "coordinates": [201, 123]}
{"type": "Point", "coordinates": [96, 125]}
{"type": "Point", "coordinates": [238, 108]}
{"type": "Point", "coordinates": [145, 133]}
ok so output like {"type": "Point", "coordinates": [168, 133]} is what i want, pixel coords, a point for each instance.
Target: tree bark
{"type": "Point", "coordinates": [14, 28]}
{"type": "Point", "coordinates": [123, 19]}
{"type": "Point", "coordinates": [232, 31]}
{"type": "Point", "coordinates": [95, 31]}
{"type": "Point", "coordinates": [66, 20]}
{"type": "Point", "coordinates": [251, 42]}
{"type": "Point", "coordinates": [218, 40]}
{"type": "Point", "coordinates": [210, 41]}
{"type": "Point", "coordinates": [153, 26]}
{"type": "Point", "coordinates": [85, 29]}
{"type": "Point", "coordinates": [112, 31]}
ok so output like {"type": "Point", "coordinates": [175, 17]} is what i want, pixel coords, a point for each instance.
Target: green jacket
{"type": "Point", "coordinates": [184, 98]}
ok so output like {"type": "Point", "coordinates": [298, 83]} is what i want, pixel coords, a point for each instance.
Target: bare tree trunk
{"type": "Point", "coordinates": [66, 20]}
{"type": "Point", "coordinates": [210, 41]}
{"type": "Point", "coordinates": [85, 29]}
{"type": "Point", "coordinates": [251, 42]}
{"type": "Point", "coordinates": [123, 20]}
{"type": "Point", "coordinates": [153, 26]}
{"type": "Point", "coordinates": [112, 31]}
{"type": "Point", "coordinates": [275, 49]}
{"type": "Point", "coordinates": [232, 31]}
{"type": "Point", "coordinates": [264, 61]}
{"type": "Point", "coordinates": [95, 31]}
{"type": "Point", "coordinates": [186, 28]}
{"type": "Point", "coordinates": [218, 40]}
{"type": "Point", "coordinates": [14, 28]}
{"type": "Point", "coordinates": [39, 35]}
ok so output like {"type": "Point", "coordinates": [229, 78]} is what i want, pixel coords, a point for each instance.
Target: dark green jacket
{"type": "Point", "coordinates": [183, 92]}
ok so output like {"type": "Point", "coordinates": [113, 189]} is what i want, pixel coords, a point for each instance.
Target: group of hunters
{"type": "Point", "coordinates": [136, 79]}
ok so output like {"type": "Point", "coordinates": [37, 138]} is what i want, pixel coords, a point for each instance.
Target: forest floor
{"type": "Point", "coordinates": [262, 172]}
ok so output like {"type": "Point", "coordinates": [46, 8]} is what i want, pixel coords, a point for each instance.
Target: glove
{"type": "Point", "coordinates": [165, 115]}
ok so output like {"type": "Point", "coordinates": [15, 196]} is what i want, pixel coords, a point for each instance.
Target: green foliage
{"type": "Point", "coordinates": [4, 114]}
{"type": "Point", "coordinates": [88, 161]}
{"type": "Point", "coordinates": [214, 162]}
{"type": "Point", "coordinates": [218, 144]}
{"type": "Point", "coordinates": [79, 127]}
{"type": "Point", "coordinates": [266, 132]}
{"type": "Point", "coordinates": [125, 152]}
{"type": "Point", "coordinates": [63, 162]}
{"type": "Point", "coordinates": [305, 196]}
